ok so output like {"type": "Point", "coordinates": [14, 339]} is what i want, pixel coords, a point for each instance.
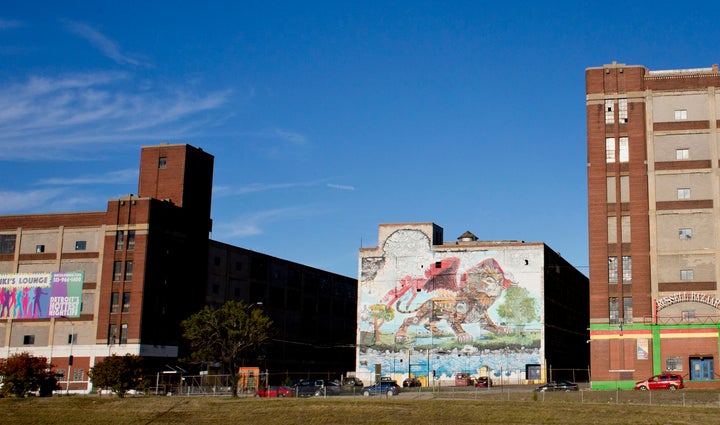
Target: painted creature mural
{"type": "Point", "coordinates": [462, 313]}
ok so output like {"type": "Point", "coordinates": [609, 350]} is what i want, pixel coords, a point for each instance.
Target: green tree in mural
{"type": "Point", "coordinates": [519, 308]}
{"type": "Point", "coordinates": [380, 313]}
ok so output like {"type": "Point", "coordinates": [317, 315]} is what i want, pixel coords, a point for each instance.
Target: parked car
{"type": "Point", "coordinates": [324, 389]}
{"type": "Point", "coordinates": [411, 382]}
{"type": "Point", "coordinates": [483, 381]}
{"type": "Point", "coordinates": [276, 391]}
{"type": "Point", "coordinates": [559, 386]}
{"type": "Point", "coordinates": [307, 388]}
{"type": "Point", "coordinates": [353, 382]}
{"type": "Point", "coordinates": [389, 388]}
{"type": "Point", "coordinates": [665, 381]}
{"type": "Point", "coordinates": [462, 379]}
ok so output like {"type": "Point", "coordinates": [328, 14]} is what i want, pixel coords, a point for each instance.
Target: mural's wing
{"type": "Point", "coordinates": [442, 275]}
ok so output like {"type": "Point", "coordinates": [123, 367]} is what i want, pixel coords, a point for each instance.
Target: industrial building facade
{"type": "Point", "coordinates": [654, 223]}
{"type": "Point", "coordinates": [510, 311]}
{"type": "Point", "coordinates": [84, 286]}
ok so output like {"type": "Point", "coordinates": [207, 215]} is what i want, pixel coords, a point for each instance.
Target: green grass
{"type": "Point", "coordinates": [409, 408]}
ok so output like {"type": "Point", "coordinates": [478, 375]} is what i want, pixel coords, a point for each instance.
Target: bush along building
{"type": "Point", "coordinates": [77, 287]}
{"type": "Point", "coordinates": [511, 311]}
{"type": "Point", "coordinates": [653, 198]}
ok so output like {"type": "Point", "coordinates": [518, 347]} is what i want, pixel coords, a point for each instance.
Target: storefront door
{"type": "Point", "coordinates": [701, 369]}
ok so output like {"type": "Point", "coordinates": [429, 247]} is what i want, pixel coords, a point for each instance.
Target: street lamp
{"type": "Point", "coordinates": [70, 357]}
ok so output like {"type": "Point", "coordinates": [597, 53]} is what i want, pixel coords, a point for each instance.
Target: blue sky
{"type": "Point", "coordinates": [328, 118]}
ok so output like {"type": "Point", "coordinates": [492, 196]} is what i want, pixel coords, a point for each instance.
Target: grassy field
{"type": "Point", "coordinates": [406, 409]}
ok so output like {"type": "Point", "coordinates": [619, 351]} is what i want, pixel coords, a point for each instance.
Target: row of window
{"type": "Point", "coordinates": [610, 111]}
{"type": "Point", "coordinates": [685, 274]}
{"type": "Point", "coordinates": [120, 273]}
{"type": "Point", "coordinates": [120, 240]}
{"type": "Point", "coordinates": [679, 114]}
{"type": "Point", "coordinates": [115, 302]}
{"type": "Point", "coordinates": [7, 245]}
{"type": "Point", "coordinates": [614, 309]}
{"type": "Point", "coordinates": [626, 269]}
{"type": "Point", "coordinates": [622, 148]}
{"type": "Point", "coordinates": [30, 339]}
{"type": "Point", "coordinates": [113, 333]}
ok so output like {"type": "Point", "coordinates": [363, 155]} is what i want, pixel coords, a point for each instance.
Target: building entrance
{"type": "Point", "coordinates": [701, 368]}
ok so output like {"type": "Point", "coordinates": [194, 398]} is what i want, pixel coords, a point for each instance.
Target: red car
{"type": "Point", "coordinates": [665, 381]}
{"type": "Point", "coordinates": [280, 391]}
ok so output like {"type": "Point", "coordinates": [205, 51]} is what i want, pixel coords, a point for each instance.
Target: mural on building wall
{"type": "Point", "coordinates": [439, 313]}
{"type": "Point", "coordinates": [40, 295]}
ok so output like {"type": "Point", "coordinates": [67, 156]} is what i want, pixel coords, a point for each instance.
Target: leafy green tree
{"type": "Point", "coordinates": [379, 314]}
{"type": "Point", "coordinates": [118, 373]}
{"type": "Point", "coordinates": [23, 373]}
{"type": "Point", "coordinates": [229, 334]}
{"type": "Point", "coordinates": [519, 307]}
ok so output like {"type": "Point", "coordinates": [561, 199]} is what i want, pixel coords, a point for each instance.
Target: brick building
{"type": "Point", "coordinates": [511, 311]}
{"type": "Point", "coordinates": [88, 285]}
{"type": "Point", "coordinates": [654, 209]}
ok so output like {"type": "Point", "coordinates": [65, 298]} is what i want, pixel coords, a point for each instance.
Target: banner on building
{"type": "Point", "coordinates": [642, 349]}
{"type": "Point", "coordinates": [40, 295]}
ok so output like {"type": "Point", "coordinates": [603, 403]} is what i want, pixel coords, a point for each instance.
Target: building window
{"type": "Point", "coordinates": [126, 302]}
{"type": "Point", "coordinates": [117, 271]}
{"type": "Point", "coordinates": [78, 375]}
{"type": "Point", "coordinates": [238, 266]}
{"type": "Point", "coordinates": [624, 153]}
{"type": "Point", "coordinates": [7, 244]}
{"type": "Point", "coordinates": [609, 150]}
{"type": "Point", "coordinates": [39, 248]}
{"type": "Point", "coordinates": [28, 339]}
{"type": "Point", "coordinates": [216, 289]}
{"type": "Point", "coordinates": [119, 240]}
{"type": "Point", "coordinates": [673, 363]}
{"type": "Point", "coordinates": [627, 310]}
{"type": "Point", "coordinates": [685, 233]}
{"type": "Point", "coordinates": [131, 240]}
{"type": "Point", "coordinates": [612, 270]}
{"type": "Point", "coordinates": [123, 333]}
{"type": "Point", "coordinates": [216, 261]}
{"type": "Point", "coordinates": [128, 270]}
{"type": "Point", "coordinates": [687, 274]}
{"type": "Point", "coordinates": [162, 162]}
{"type": "Point", "coordinates": [622, 111]}
{"type": "Point", "coordinates": [683, 193]}
{"type": "Point", "coordinates": [627, 268]}
{"type": "Point", "coordinates": [114, 299]}
{"type": "Point", "coordinates": [112, 334]}
{"type": "Point", "coordinates": [688, 315]}
{"type": "Point", "coordinates": [614, 311]}
{"type": "Point", "coordinates": [80, 245]}
{"type": "Point", "coordinates": [609, 111]}
{"type": "Point", "coordinates": [680, 114]}
{"type": "Point", "coordinates": [681, 154]}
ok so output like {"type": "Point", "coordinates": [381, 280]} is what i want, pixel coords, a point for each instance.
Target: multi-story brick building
{"type": "Point", "coordinates": [87, 285]}
{"type": "Point", "coordinates": [654, 208]}
{"type": "Point", "coordinates": [511, 311]}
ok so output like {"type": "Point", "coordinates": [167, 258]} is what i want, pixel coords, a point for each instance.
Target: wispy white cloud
{"type": "Point", "coordinates": [254, 223]}
{"type": "Point", "coordinates": [258, 187]}
{"type": "Point", "coordinates": [340, 186]}
{"type": "Point", "coordinates": [106, 46]}
{"type": "Point", "coordinates": [21, 201]}
{"type": "Point", "coordinates": [52, 117]}
{"type": "Point", "coordinates": [120, 176]}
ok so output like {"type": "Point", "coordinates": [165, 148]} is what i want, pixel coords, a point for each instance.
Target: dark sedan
{"type": "Point", "coordinates": [412, 382]}
{"type": "Point", "coordinates": [388, 388]}
{"type": "Point", "coordinates": [559, 386]}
